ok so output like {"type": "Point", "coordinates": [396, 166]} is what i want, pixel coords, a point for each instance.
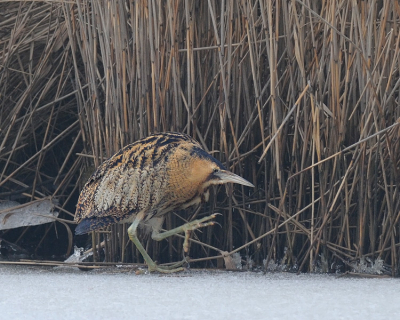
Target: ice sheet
{"type": "Point", "coordinates": [41, 293]}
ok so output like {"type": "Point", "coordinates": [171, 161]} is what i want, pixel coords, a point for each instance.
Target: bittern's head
{"type": "Point", "coordinates": [209, 171]}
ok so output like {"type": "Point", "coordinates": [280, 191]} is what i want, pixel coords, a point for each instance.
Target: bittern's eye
{"type": "Point", "coordinates": [215, 170]}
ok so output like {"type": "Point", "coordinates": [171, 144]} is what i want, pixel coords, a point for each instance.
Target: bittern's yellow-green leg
{"type": "Point", "coordinates": [186, 228]}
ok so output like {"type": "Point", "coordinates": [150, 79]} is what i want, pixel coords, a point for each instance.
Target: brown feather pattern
{"type": "Point", "coordinates": [157, 174]}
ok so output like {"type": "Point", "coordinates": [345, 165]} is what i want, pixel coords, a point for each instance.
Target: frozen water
{"type": "Point", "coordinates": [366, 265]}
{"type": "Point", "coordinates": [237, 260]}
{"type": "Point", "coordinates": [79, 255]}
{"type": "Point", "coordinates": [44, 293]}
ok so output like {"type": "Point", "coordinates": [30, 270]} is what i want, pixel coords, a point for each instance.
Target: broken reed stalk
{"type": "Point", "coordinates": [299, 97]}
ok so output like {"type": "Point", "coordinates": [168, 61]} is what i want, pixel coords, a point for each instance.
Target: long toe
{"type": "Point", "coordinates": [165, 269]}
{"type": "Point", "coordinates": [177, 264]}
{"type": "Point", "coordinates": [200, 223]}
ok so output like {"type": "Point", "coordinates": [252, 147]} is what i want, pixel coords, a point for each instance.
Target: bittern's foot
{"type": "Point", "coordinates": [186, 228]}
{"type": "Point", "coordinates": [168, 269]}
{"type": "Point", "coordinates": [199, 223]}
{"type": "Point", "coordinates": [193, 225]}
{"type": "Point", "coordinates": [175, 267]}
{"type": "Point", "coordinates": [158, 269]}
{"type": "Point", "coordinates": [153, 267]}
{"type": "Point", "coordinates": [178, 264]}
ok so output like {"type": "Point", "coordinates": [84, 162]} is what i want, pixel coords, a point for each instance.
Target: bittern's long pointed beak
{"type": "Point", "coordinates": [227, 176]}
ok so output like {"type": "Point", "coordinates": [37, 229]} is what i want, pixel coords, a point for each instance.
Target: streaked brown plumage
{"type": "Point", "coordinates": [147, 179]}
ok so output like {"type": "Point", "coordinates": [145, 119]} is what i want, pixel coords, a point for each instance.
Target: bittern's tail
{"type": "Point", "coordinates": [90, 224]}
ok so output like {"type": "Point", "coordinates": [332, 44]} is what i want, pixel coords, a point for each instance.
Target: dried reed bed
{"type": "Point", "coordinates": [299, 97]}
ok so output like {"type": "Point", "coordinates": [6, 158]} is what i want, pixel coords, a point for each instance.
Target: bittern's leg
{"type": "Point", "coordinates": [152, 266]}
{"type": "Point", "coordinates": [186, 229]}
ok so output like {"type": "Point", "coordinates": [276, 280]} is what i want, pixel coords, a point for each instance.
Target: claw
{"type": "Point", "coordinates": [216, 223]}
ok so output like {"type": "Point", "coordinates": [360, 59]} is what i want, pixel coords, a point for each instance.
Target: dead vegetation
{"type": "Point", "coordinates": [299, 97]}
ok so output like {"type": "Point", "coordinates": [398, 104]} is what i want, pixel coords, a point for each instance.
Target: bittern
{"type": "Point", "coordinates": [144, 181]}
